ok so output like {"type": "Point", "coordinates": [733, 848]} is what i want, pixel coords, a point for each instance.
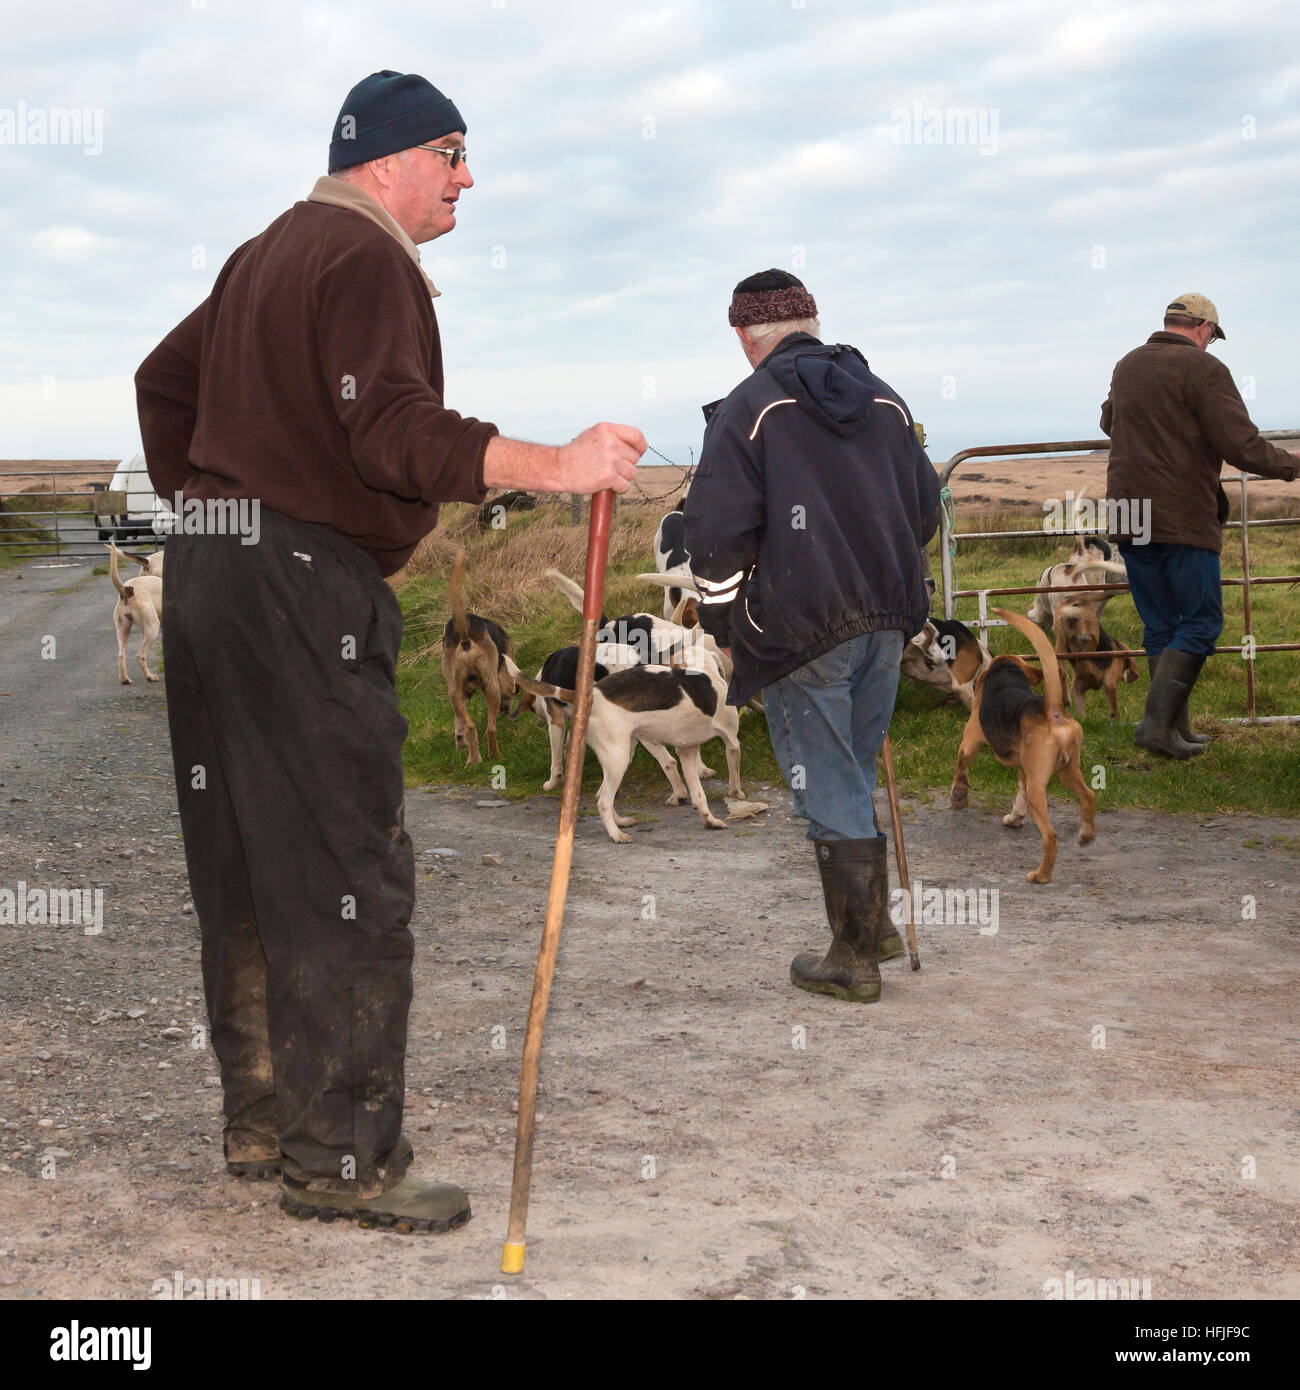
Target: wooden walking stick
{"type": "Point", "coordinates": [512, 1256]}
{"type": "Point", "coordinates": [896, 820]}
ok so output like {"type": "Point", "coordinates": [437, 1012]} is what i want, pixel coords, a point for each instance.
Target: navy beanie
{"type": "Point", "coordinates": [387, 112]}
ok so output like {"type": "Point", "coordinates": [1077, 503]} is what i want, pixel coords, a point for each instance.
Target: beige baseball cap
{"type": "Point", "coordinates": [1196, 306]}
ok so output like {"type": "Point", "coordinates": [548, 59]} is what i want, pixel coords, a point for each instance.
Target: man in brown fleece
{"type": "Point", "coordinates": [310, 383]}
{"type": "Point", "coordinates": [1174, 417]}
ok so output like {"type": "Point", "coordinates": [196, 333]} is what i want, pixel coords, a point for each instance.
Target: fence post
{"type": "Point", "coordinates": [1245, 599]}
{"type": "Point", "coordinates": [54, 493]}
{"type": "Point", "coordinates": [945, 565]}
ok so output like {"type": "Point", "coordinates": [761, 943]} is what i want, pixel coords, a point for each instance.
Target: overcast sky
{"type": "Point", "coordinates": [633, 161]}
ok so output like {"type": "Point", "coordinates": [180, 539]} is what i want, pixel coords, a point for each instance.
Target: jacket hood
{"type": "Point", "coordinates": [830, 381]}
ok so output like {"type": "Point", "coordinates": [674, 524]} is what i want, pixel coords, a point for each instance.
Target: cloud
{"type": "Point", "coordinates": [633, 162]}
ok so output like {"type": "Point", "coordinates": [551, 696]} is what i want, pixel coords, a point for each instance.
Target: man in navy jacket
{"type": "Point", "coordinates": [806, 524]}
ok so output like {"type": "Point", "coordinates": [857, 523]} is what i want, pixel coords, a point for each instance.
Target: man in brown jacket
{"type": "Point", "coordinates": [1174, 416]}
{"type": "Point", "coordinates": [307, 390]}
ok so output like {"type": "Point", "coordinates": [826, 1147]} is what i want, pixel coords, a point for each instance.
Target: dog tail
{"type": "Point", "coordinates": [672, 581]}
{"type": "Point", "coordinates": [456, 595]}
{"type": "Point", "coordinates": [1077, 517]}
{"type": "Point", "coordinates": [573, 592]}
{"type": "Point", "coordinates": [1051, 670]}
{"type": "Point", "coordinates": [112, 571]}
{"type": "Point", "coordinates": [546, 692]}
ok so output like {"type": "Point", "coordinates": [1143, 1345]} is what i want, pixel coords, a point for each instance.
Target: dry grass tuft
{"type": "Point", "coordinates": [504, 569]}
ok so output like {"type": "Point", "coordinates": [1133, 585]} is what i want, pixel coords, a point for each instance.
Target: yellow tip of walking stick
{"type": "Point", "coordinates": [512, 1257]}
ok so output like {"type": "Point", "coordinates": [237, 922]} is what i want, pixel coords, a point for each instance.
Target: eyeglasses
{"type": "Point", "coordinates": [455, 153]}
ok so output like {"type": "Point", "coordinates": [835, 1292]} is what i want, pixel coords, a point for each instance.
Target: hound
{"type": "Point", "coordinates": [1029, 732]}
{"type": "Point", "coordinates": [1079, 630]}
{"type": "Point", "coordinates": [139, 604]}
{"type": "Point", "coordinates": [671, 556]}
{"type": "Point", "coordinates": [1090, 562]}
{"type": "Point", "coordinates": [476, 655]}
{"type": "Point", "coordinates": [657, 705]}
{"type": "Point", "coordinates": [947, 655]}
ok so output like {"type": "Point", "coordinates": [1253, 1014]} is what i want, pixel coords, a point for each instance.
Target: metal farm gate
{"type": "Point", "coordinates": [43, 517]}
{"type": "Point", "coordinates": [1025, 453]}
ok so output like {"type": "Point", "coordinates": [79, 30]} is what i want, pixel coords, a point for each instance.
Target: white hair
{"type": "Point", "coordinates": [765, 336]}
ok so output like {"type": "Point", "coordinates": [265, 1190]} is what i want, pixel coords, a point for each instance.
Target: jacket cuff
{"type": "Point", "coordinates": [715, 619]}
{"type": "Point", "coordinates": [490, 432]}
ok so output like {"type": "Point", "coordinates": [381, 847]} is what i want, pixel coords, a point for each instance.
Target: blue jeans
{"type": "Point", "coordinates": [1177, 594]}
{"type": "Point", "coordinates": [827, 721]}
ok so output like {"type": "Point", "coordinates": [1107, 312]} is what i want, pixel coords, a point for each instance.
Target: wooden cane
{"type": "Point", "coordinates": [512, 1256]}
{"type": "Point", "coordinates": [896, 820]}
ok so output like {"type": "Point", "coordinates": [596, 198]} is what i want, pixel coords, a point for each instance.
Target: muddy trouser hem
{"type": "Point", "coordinates": [279, 662]}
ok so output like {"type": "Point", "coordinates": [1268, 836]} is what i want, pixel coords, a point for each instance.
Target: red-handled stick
{"type": "Point", "coordinates": [512, 1256]}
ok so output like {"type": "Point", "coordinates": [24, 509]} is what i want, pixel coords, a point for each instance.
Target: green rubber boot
{"type": "Point", "coordinates": [855, 886]}
{"type": "Point", "coordinates": [1171, 683]}
{"type": "Point", "coordinates": [1182, 724]}
{"type": "Point", "coordinates": [891, 945]}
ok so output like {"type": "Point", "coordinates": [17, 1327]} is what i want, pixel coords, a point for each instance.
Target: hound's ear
{"type": "Point", "coordinates": [966, 663]}
{"type": "Point", "coordinates": [691, 613]}
{"type": "Point", "coordinates": [1032, 674]}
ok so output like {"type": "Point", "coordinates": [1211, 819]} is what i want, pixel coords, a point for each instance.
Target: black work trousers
{"type": "Point", "coordinates": [287, 741]}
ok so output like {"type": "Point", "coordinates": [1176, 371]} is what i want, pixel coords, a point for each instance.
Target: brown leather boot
{"type": "Point", "coordinates": [855, 886]}
{"type": "Point", "coordinates": [397, 1201]}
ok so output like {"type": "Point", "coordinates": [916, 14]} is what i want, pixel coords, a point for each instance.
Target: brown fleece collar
{"type": "Point", "coordinates": [339, 193]}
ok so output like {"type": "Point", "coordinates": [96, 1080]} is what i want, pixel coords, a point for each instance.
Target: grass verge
{"type": "Point", "coordinates": [1245, 770]}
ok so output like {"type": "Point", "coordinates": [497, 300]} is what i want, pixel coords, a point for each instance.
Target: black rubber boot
{"type": "Point", "coordinates": [1182, 724]}
{"type": "Point", "coordinates": [855, 885]}
{"type": "Point", "coordinates": [1171, 683]}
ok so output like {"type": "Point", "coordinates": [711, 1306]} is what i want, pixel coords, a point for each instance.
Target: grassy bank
{"type": "Point", "coordinates": [1245, 769]}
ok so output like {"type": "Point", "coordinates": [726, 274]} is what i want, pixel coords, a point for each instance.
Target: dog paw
{"type": "Point", "coordinates": [714, 823]}
{"type": "Point", "coordinates": [551, 783]}
{"type": "Point", "coordinates": [1086, 837]}
{"type": "Point", "coordinates": [676, 799]}
{"type": "Point", "coordinates": [125, 680]}
{"type": "Point", "coordinates": [624, 820]}
{"type": "Point", "coordinates": [1015, 822]}
{"type": "Point", "coordinates": [151, 678]}
{"type": "Point", "coordinates": [1033, 876]}
{"type": "Point", "coordinates": [957, 800]}
{"type": "Point", "coordinates": [706, 772]}
{"type": "Point", "coordinates": [620, 839]}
